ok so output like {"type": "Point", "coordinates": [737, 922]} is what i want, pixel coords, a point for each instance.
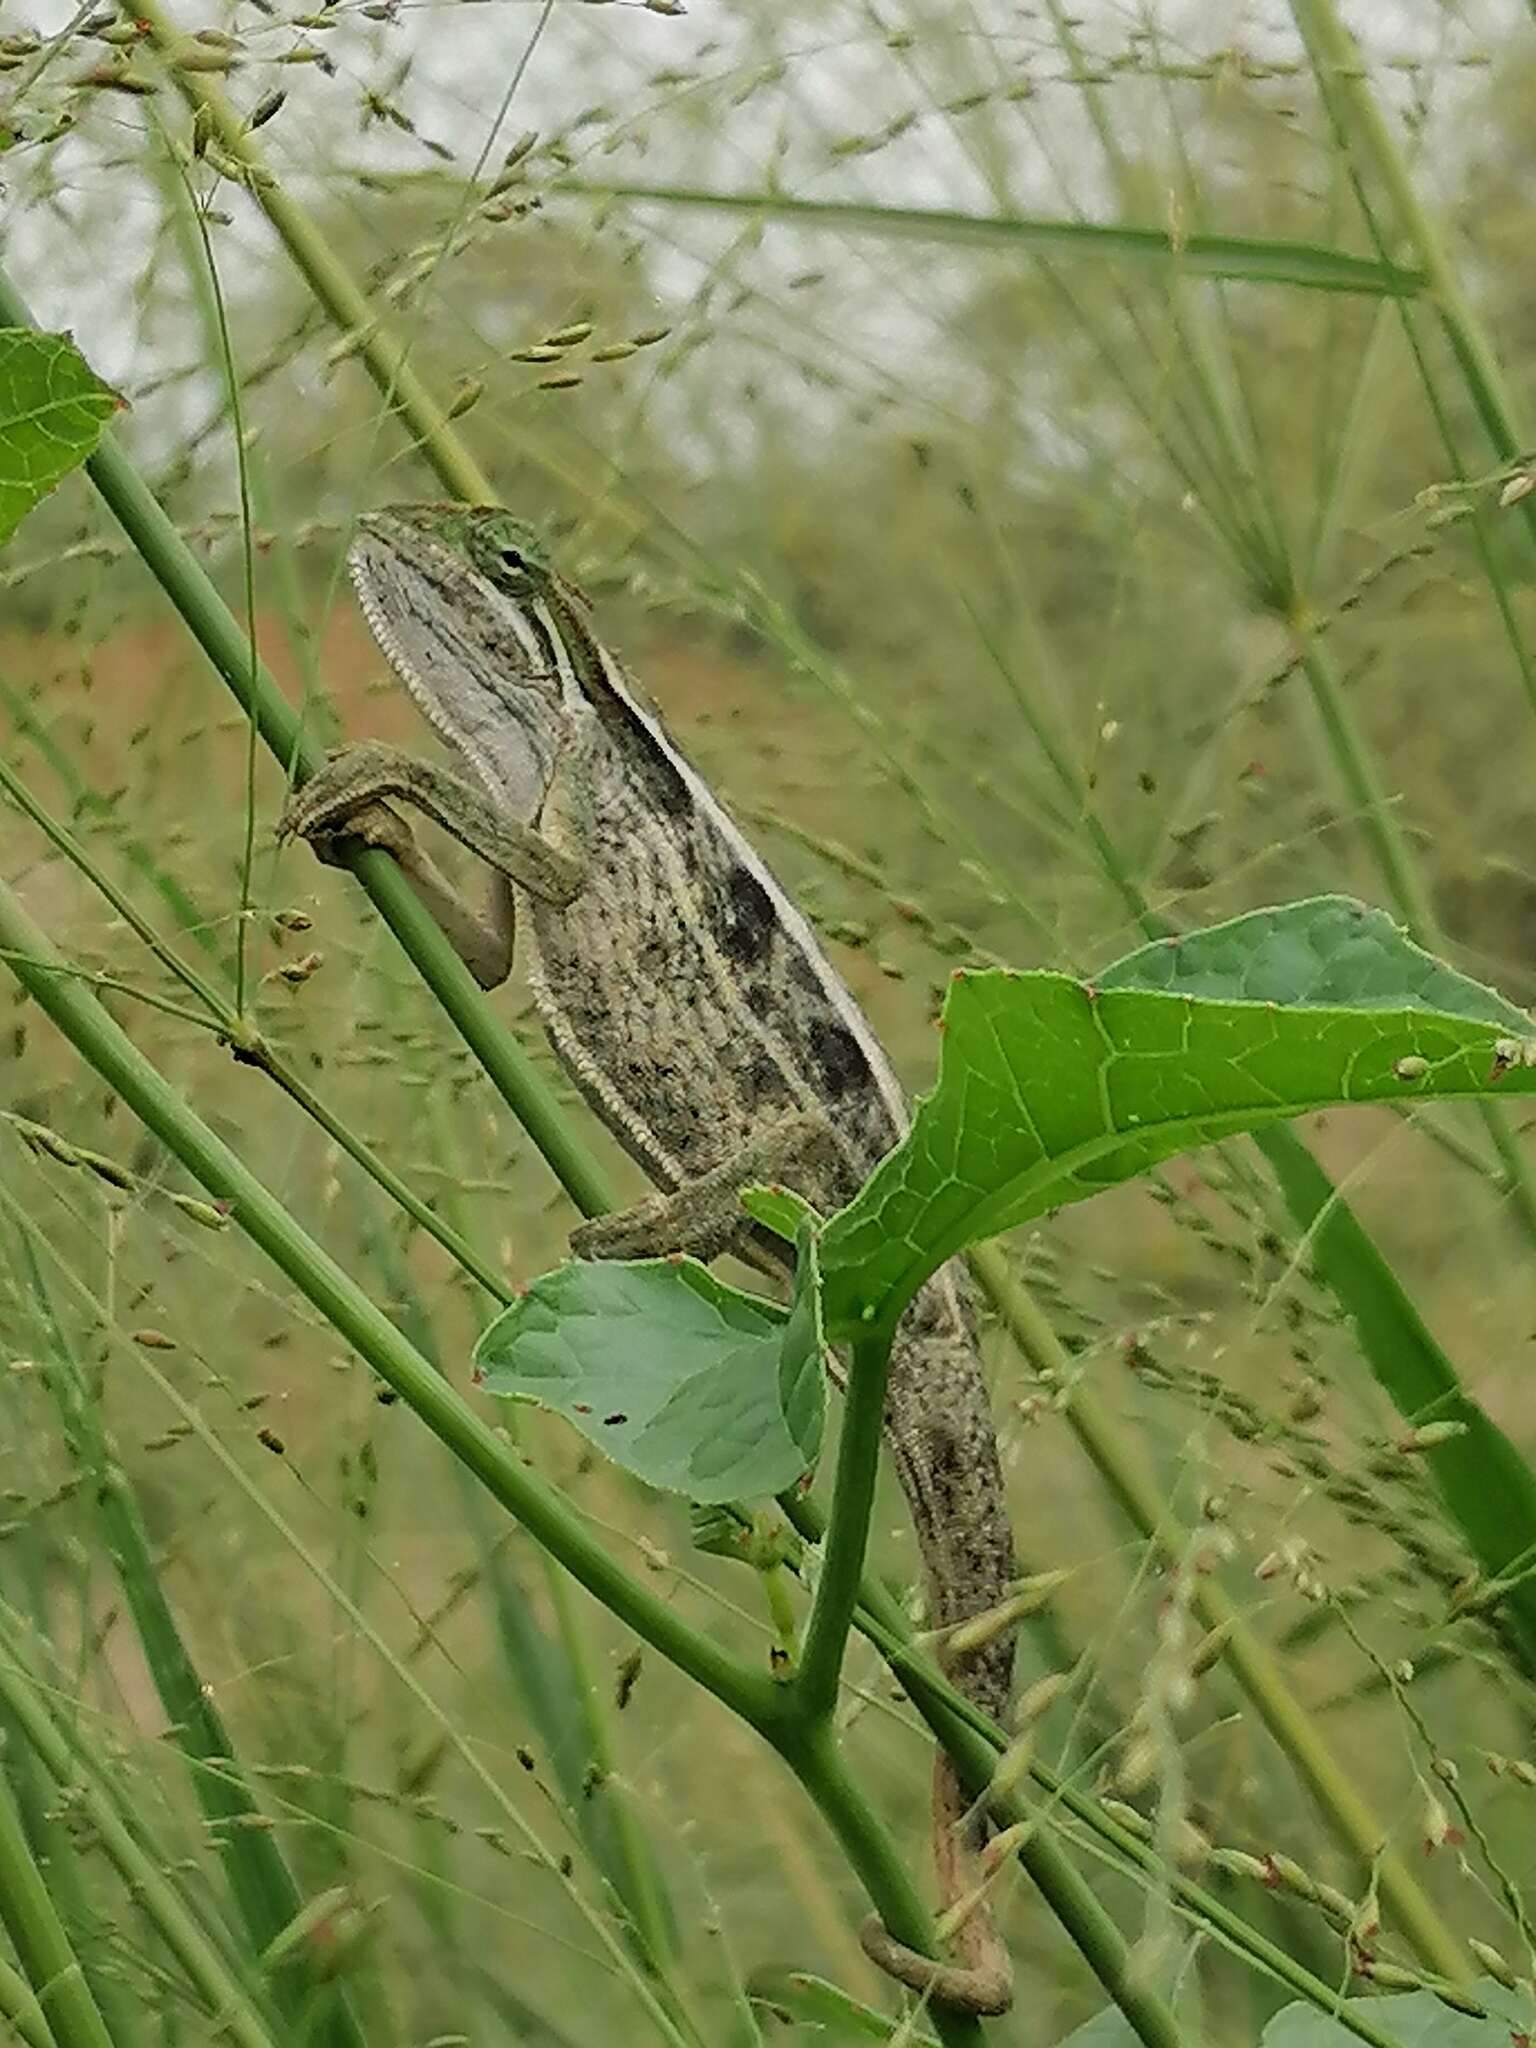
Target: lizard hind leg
{"type": "Point", "coordinates": [980, 1980]}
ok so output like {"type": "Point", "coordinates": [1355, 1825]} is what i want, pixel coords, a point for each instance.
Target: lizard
{"type": "Point", "coordinates": [694, 1009]}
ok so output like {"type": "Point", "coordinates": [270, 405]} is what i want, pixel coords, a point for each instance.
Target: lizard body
{"type": "Point", "coordinates": [685, 994]}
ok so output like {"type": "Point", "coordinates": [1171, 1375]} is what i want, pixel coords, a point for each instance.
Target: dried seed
{"type": "Point", "coordinates": [107, 79]}
{"type": "Point", "coordinates": [268, 105]}
{"type": "Point", "coordinates": [1430, 1435]}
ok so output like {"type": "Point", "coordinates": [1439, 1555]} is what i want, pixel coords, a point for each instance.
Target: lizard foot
{"type": "Point", "coordinates": [334, 807]}
{"type": "Point", "coordinates": [639, 1232]}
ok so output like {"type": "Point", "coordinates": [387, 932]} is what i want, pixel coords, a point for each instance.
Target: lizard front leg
{"type": "Point", "coordinates": [704, 1217]}
{"type": "Point", "coordinates": [345, 801]}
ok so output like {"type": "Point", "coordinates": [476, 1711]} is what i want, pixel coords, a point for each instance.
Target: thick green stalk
{"type": "Point", "coordinates": [42, 1945]}
{"type": "Point", "coordinates": [20, 2010]}
{"type": "Point", "coordinates": [813, 1692]}
{"type": "Point", "coordinates": [812, 1755]}
{"type": "Point", "coordinates": [479, 1449]}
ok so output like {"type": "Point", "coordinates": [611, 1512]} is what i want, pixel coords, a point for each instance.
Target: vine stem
{"type": "Point", "coordinates": [812, 1694]}
{"type": "Point", "coordinates": [812, 1754]}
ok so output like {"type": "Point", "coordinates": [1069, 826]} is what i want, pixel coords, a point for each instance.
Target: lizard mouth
{"type": "Point", "coordinates": [463, 651]}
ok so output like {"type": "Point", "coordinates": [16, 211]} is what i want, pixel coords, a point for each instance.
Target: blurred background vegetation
{"type": "Point", "coordinates": [1000, 580]}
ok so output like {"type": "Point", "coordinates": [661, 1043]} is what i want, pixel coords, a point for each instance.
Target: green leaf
{"type": "Point", "coordinates": [1051, 1089]}
{"type": "Point", "coordinates": [1107, 2029]}
{"type": "Point", "coordinates": [691, 1385]}
{"type": "Point", "coordinates": [780, 1210]}
{"type": "Point", "coordinates": [1415, 2019]}
{"type": "Point", "coordinates": [1328, 952]}
{"type": "Point", "coordinates": [53, 408]}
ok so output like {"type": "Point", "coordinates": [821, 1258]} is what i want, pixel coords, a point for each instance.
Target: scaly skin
{"type": "Point", "coordinates": [689, 1001]}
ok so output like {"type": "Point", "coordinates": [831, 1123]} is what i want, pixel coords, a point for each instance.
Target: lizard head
{"type": "Point", "coordinates": [453, 594]}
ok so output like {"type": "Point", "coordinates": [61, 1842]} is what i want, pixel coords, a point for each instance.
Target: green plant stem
{"type": "Point", "coordinates": [1259, 1675]}
{"type": "Point", "coordinates": [1342, 78]}
{"type": "Point", "coordinates": [19, 2008]}
{"type": "Point", "coordinates": [813, 1691]}
{"type": "Point", "coordinates": [478, 1447]}
{"type": "Point", "coordinates": [42, 1945]}
{"type": "Point", "coordinates": [812, 1754]}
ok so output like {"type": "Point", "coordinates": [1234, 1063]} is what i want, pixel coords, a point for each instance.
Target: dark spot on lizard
{"type": "Point", "coordinates": [840, 1061]}
{"type": "Point", "coordinates": [748, 920]}
{"type": "Point", "coordinates": [766, 1077]}
{"type": "Point", "coordinates": [672, 792]}
{"type": "Point", "coordinates": [802, 972]}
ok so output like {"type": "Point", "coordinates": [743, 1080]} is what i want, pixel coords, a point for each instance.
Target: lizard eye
{"type": "Point", "coordinates": [513, 558]}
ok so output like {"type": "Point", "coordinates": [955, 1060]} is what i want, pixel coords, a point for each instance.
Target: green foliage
{"type": "Point", "coordinates": [1051, 1089]}
{"type": "Point", "coordinates": [1021, 603]}
{"type": "Point", "coordinates": [1416, 2019]}
{"type": "Point", "coordinates": [52, 410]}
{"type": "Point", "coordinates": [691, 1385]}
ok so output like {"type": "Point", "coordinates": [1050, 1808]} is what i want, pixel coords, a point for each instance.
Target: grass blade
{"type": "Point", "coordinates": [1246, 258]}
